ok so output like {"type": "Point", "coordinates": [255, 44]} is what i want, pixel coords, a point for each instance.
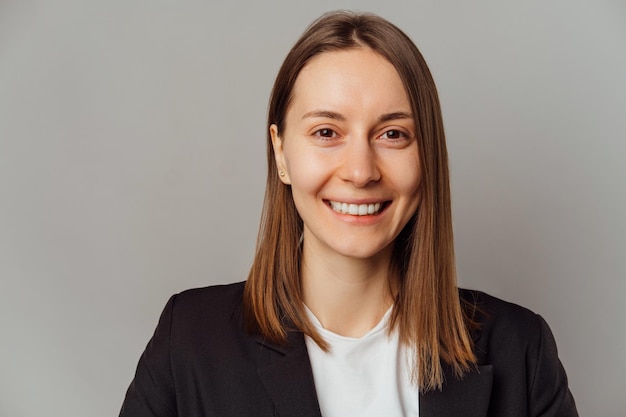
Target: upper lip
{"type": "Point", "coordinates": [357, 200]}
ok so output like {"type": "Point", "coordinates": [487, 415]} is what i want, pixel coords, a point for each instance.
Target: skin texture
{"type": "Point", "coordinates": [349, 137]}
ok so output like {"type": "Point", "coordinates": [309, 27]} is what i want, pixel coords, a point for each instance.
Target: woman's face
{"type": "Point", "coordinates": [350, 154]}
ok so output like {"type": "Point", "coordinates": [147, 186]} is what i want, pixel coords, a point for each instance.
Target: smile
{"type": "Point", "coordinates": [356, 209]}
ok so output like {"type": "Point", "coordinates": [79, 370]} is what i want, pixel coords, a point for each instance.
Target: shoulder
{"type": "Point", "coordinates": [486, 307]}
{"type": "Point", "coordinates": [527, 372]}
{"type": "Point", "coordinates": [205, 324]}
{"type": "Point", "coordinates": [213, 306]}
{"type": "Point", "coordinates": [213, 297]}
{"type": "Point", "coordinates": [501, 324]}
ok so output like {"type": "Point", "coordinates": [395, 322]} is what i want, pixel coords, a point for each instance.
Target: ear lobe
{"type": "Point", "coordinates": [279, 156]}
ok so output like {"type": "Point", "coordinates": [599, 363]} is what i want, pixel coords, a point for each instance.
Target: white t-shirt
{"type": "Point", "coordinates": [366, 376]}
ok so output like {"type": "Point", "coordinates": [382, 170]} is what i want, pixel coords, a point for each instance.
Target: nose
{"type": "Point", "coordinates": [360, 165]}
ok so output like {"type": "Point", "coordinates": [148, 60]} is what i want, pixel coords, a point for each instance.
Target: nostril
{"type": "Point", "coordinates": [360, 165]}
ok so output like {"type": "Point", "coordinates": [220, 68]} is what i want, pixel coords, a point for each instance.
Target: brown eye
{"type": "Point", "coordinates": [325, 133]}
{"type": "Point", "coordinates": [393, 134]}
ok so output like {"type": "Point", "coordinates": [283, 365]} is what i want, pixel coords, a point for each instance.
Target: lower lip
{"type": "Point", "coordinates": [362, 220]}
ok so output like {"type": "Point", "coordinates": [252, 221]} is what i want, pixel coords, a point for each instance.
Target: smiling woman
{"type": "Point", "coordinates": [359, 152]}
{"type": "Point", "coordinates": [351, 306]}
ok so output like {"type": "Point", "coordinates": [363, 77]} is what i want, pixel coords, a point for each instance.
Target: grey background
{"type": "Point", "coordinates": [132, 167]}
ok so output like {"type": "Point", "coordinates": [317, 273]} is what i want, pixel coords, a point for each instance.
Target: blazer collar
{"type": "Point", "coordinates": [288, 379]}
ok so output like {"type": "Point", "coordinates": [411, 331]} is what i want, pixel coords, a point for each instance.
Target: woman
{"type": "Point", "coordinates": [351, 306]}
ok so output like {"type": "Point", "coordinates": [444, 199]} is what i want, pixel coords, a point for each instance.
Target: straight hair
{"type": "Point", "coordinates": [427, 310]}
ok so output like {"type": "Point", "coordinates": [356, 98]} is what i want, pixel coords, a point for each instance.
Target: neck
{"type": "Point", "coordinates": [349, 296]}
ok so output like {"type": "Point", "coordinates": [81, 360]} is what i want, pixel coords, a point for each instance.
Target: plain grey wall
{"type": "Point", "coordinates": [132, 167]}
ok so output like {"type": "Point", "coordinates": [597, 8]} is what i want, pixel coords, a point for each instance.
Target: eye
{"type": "Point", "coordinates": [394, 134]}
{"type": "Point", "coordinates": [325, 133]}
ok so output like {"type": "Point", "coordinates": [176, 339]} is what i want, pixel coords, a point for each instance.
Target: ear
{"type": "Point", "coordinates": [279, 155]}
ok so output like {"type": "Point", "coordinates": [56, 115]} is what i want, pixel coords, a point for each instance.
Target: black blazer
{"type": "Point", "coordinates": [201, 363]}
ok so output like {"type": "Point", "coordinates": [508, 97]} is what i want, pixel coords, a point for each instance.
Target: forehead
{"type": "Point", "coordinates": [351, 78]}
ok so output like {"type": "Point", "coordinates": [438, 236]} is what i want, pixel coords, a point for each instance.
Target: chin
{"type": "Point", "coordinates": [360, 252]}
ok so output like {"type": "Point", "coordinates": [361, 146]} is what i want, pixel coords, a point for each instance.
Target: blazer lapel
{"type": "Point", "coordinates": [288, 378]}
{"type": "Point", "coordinates": [285, 372]}
{"type": "Point", "coordinates": [468, 397]}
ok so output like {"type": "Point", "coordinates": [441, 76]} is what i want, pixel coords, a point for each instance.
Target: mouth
{"type": "Point", "coordinates": [370, 209]}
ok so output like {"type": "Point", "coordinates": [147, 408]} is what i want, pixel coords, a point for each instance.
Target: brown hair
{"type": "Point", "coordinates": [427, 309]}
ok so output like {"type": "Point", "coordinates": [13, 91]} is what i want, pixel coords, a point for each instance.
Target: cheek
{"type": "Point", "coordinates": [407, 175]}
{"type": "Point", "coordinates": [306, 184]}
{"type": "Point", "coordinates": [414, 185]}
{"type": "Point", "coordinates": [412, 190]}
{"type": "Point", "coordinates": [307, 172]}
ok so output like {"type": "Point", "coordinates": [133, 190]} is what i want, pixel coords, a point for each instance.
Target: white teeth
{"type": "Point", "coordinates": [355, 209]}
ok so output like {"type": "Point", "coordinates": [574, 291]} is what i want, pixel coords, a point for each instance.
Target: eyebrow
{"type": "Point", "coordinates": [395, 116]}
{"type": "Point", "coordinates": [339, 117]}
{"type": "Point", "coordinates": [324, 113]}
